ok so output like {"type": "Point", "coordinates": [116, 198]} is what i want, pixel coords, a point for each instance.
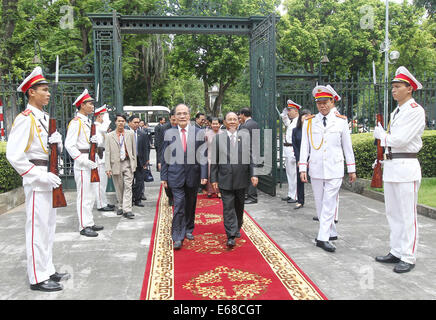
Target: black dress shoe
{"type": "Point", "coordinates": [97, 228]}
{"type": "Point", "coordinates": [291, 201]}
{"type": "Point", "coordinates": [47, 286]}
{"type": "Point", "coordinates": [286, 198]}
{"type": "Point", "coordinates": [315, 219]}
{"type": "Point", "coordinates": [333, 238]}
{"type": "Point", "coordinates": [128, 215]}
{"type": "Point", "coordinates": [138, 204]}
{"type": "Point", "coordinates": [144, 198]}
{"type": "Point", "coordinates": [238, 234]}
{"type": "Point", "coordinates": [189, 236]}
{"type": "Point", "coordinates": [60, 276]}
{"type": "Point", "coordinates": [250, 201]}
{"type": "Point", "coordinates": [119, 212]}
{"type": "Point", "coordinates": [231, 243]}
{"type": "Point", "coordinates": [403, 267]}
{"type": "Point", "coordinates": [298, 206]}
{"type": "Point", "coordinates": [107, 208]}
{"type": "Point", "coordinates": [389, 258]}
{"type": "Point", "coordinates": [111, 206]}
{"type": "Point", "coordinates": [327, 246]}
{"type": "Point", "coordinates": [178, 245]}
{"type": "Point", "coordinates": [88, 232]}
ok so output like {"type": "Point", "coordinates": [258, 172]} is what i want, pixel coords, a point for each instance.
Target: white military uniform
{"type": "Point", "coordinates": [402, 178]}
{"type": "Point", "coordinates": [100, 187]}
{"type": "Point", "coordinates": [78, 138]}
{"type": "Point", "coordinates": [326, 147]}
{"type": "Point", "coordinates": [288, 153]}
{"type": "Point", "coordinates": [28, 140]}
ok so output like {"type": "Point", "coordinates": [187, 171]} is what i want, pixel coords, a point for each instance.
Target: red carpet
{"type": "Point", "coordinates": [256, 268]}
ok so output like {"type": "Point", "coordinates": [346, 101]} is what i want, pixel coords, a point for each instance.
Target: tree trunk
{"type": "Point", "coordinates": [207, 107]}
{"type": "Point", "coordinates": [7, 49]}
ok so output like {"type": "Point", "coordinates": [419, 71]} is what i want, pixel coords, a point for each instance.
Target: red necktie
{"type": "Point", "coordinates": [184, 140]}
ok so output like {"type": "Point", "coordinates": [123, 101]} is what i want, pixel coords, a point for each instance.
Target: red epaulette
{"type": "Point", "coordinates": [310, 117]}
{"type": "Point", "coordinates": [340, 115]}
{"type": "Point", "coordinates": [26, 112]}
{"type": "Point", "coordinates": [414, 105]}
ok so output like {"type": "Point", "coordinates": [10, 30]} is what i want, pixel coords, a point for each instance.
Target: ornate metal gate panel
{"type": "Point", "coordinates": [263, 97]}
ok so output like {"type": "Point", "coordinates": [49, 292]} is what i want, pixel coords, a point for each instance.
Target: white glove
{"type": "Point", "coordinates": [91, 164]}
{"type": "Point", "coordinates": [50, 179]}
{"type": "Point", "coordinates": [379, 132]}
{"type": "Point", "coordinates": [94, 139]}
{"type": "Point", "coordinates": [55, 137]}
{"type": "Point", "coordinates": [375, 163]}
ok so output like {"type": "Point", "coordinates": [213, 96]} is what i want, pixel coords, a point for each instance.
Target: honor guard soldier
{"type": "Point", "coordinates": [27, 151]}
{"type": "Point", "coordinates": [77, 143]}
{"type": "Point", "coordinates": [290, 118]}
{"type": "Point", "coordinates": [325, 141]}
{"type": "Point", "coordinates": [401, 171]}
{"type": "Point", "coordinates": [102, 123]}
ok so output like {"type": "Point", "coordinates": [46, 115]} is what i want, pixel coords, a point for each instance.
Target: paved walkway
{"type": "Point", "coordinates": [112, 265]}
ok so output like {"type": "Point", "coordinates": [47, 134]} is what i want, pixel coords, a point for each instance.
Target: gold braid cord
{"type": "Point", "coordinates": [309, 128]}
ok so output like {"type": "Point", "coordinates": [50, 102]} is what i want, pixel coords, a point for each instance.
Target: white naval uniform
{"type": "Point", "coordinates": [28, 140]}
{"type": "Point", "coordinates": [78, 135]}
{"type": "Point", "coordinates": [402, 178]}
{"type": "Point", "coordinates": [326, 165]}
{"type": "Point", "coordinates": [100, 187]}
{"type": "Point", "coordinates": [290, 161]}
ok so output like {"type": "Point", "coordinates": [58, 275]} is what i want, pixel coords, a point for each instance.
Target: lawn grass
{"type": "Point", "coordinates": [426, 193]}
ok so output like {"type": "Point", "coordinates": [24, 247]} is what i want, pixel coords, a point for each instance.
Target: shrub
{"type": "Point", "coordinates": [365, 153]}
{"type": "Point", "coordinates": [9, 178]}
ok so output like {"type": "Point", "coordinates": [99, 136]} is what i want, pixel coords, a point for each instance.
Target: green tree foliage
{"type": "Point", "coordinates": [353, 32]}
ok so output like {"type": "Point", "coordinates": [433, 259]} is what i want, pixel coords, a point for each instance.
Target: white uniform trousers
{"type": "Point", "coordinates": [326, 194]}
{"type": "Point", "coordinates": [291, 174]}
{"type": "Point", "coordinates": [40, 232]}
{"type": "Point", "coordinates": [100, 187]}
{"type": "Point", "coordinates": [85, 197]}
{"type": "Point", "coordinates": [401, 199]}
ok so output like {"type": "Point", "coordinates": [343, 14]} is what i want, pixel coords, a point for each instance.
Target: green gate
{"type": "Point", "coordinates": [107, 31]}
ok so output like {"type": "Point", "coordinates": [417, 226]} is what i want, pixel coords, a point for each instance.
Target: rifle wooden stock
{"type": "Point", "coordinates": [92, 151]}
{"type": "Point", "coordinates": [377, 175]}
{"type": "Point", "coordinates": [58, 194]}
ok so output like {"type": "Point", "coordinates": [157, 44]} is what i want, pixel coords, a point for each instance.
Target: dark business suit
{"type": "Point", "coordinates": [143, 155]}
{"type": "Point", "coordinates": [250, 124]}
{"type": "Point", "coordinates": [164, 128]}
{"type": "Point", "coordinates": [158, 140]}
{"type": "Point", "coordinates": [296, 144]}
{"type": "Point", "coordinates": [232, 167]}
{"type": "Point", "coordinates": [183, 172]}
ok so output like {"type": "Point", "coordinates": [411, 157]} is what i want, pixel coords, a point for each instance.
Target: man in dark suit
{"type": "Point", "coordinates": [183, 170]}
{"type": "Point", "coordinates": [249, 124]}
{"type": "Point", "coordinates": [165, 127]}
{"type": "Point", "coordinates": [230, 171]}
{"type": "Point", "coordinates": [158, 138]}
{"type": "Point", "coordinates": [143, 157]}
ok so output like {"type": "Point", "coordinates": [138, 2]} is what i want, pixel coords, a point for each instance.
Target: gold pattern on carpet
{"type": "Point", "coordinates": [210, 243]}
{"type": "Point", "coordinates": [224, 283]}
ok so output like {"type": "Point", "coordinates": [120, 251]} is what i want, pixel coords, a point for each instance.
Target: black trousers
{"type": "Point", "coordinates": [300, 188]}
{"type": "Point", "coordinates": [185, 201]}
{"type": "Point", "coordinates": [138, 184]}
{"type": "Point", "coordinates": [233, 210]}
{"type": "Point", "coordinates": [251, 191]}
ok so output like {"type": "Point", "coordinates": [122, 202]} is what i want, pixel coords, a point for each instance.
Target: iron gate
{"type": "Point", "coordinates": [263, 97]}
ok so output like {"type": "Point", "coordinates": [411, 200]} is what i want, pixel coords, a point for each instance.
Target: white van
{"type": "Point", "coordinates": [149, 114]}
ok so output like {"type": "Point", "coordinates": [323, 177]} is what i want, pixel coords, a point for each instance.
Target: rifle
{"type": "Point", "coordinates": [377, 176]}
{"type": "Point", "coordinates": [93, 149]}
{"type": "Point", "coordinates": [58, 194]}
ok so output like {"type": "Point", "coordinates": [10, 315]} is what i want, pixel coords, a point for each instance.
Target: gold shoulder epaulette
{"type": "Point", "coordinates": [26, 112]}
{"type": "Point", "coordinates": [340, 115]}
